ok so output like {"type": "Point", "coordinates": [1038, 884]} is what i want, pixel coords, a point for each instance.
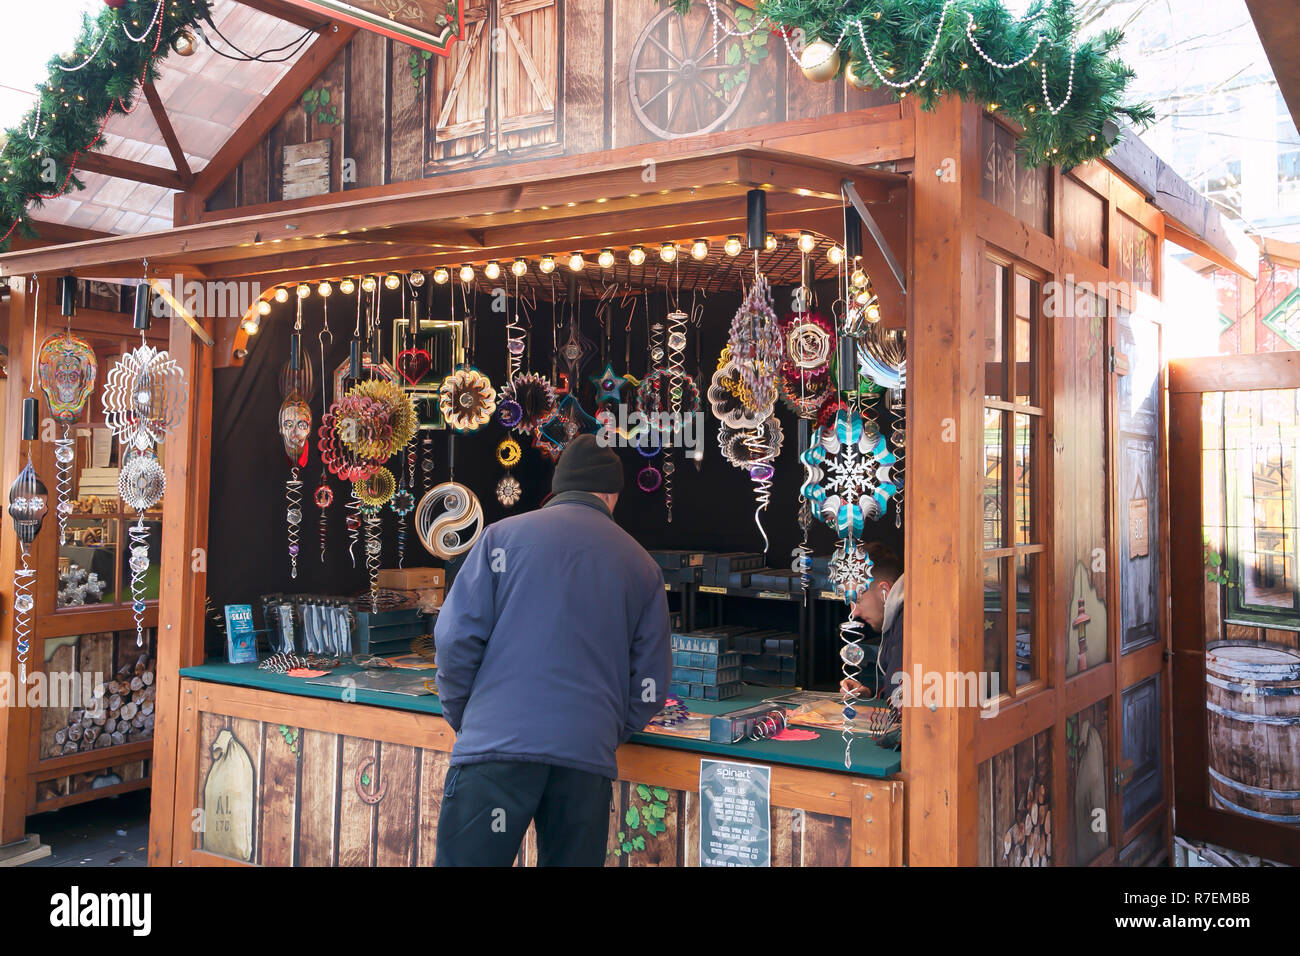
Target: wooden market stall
{"type": "Point", "coordinates": [1035, 449]}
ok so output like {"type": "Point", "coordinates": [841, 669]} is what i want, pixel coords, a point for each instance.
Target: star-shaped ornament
{"type": "Point", "coordinates": [609, 385]}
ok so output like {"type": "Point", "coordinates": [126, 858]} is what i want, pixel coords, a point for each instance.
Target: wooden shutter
{"type": "Point", "coordinates": [528, 72]}
{"type": "Point", "coordinates": [461, 100]}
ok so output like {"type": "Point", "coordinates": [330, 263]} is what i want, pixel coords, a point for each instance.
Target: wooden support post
{"type": "Point", "coordinates": [183, 590]}
{"type": "Point", "coordinates": [15, 716]}
{"type": "Point", "coordinates": [942, 610]}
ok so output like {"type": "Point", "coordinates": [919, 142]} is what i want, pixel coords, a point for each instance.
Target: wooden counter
{"type": "Point", "coordinates": [278, 779]}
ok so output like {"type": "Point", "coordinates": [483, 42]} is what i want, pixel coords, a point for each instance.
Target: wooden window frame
{"type": "Point", "coordinates": [1040, 512]}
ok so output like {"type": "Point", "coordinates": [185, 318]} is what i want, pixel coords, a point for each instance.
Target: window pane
{"type": "Point", "coordinates": [1026, 428]}
{"type": "Point", "coordinates": [87, 562]}
{"type": "Point", "coordinates": [1026, 330]}
{"type": "Point", "coordinates": [995, 384]}
{"type": "Point", "coordinates": [993, 505]}
{"type": "Point", "coordinates": [1026, 631]}
{"type": "Point", "coordinates": [995, 623]}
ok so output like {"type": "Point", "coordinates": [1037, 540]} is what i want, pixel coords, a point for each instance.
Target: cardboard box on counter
{"type": "Point", "coordinates": [412, 579]}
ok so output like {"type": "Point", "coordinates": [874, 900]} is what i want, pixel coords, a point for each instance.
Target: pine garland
{"type": "Point", "coordinates": [900, 34]}
{"type": "Point", "coordinates": [38, 161]}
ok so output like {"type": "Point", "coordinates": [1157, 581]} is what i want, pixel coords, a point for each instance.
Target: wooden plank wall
{"type": "Point", "coordinates": [324, 799]}
{"type": "Point", "coordinates": [484, 105]}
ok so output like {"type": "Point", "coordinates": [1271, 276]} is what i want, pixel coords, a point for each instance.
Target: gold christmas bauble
{"type": "Point", "coordinates": [184, 44]}
{"type": "Point", "coordinates": [820, 61]}
{"type": "Point", "coordinates": [859, 75]}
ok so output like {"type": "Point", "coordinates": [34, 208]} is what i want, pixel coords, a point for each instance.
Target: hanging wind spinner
{"type": "Point", "coordinates": [508, 489]}
{"type": "Point", "coordinates": [403, 502]}
{"type": "Point", "coordinates": [754, 353]}
{"type": "Point", "coordinates": [66, 368]}
{"type": "Point", "coordinates": [527, 402]}
{"type": "Point", "coordinates": [448, 533]}
{"type": "Point", "coordinates": [324, 495]}
{"type": "Point", "coordinates": [847, 474]}
{"type": "Point", "coordinates": [28, 502]}
{"type": "Point", "coordinates": [295, 421]}
{"type": "Point", "coordinates": [809, 341]}
{"type": "Point", "coordinates": [467, 399]}
{"type": "Point", "coordinates": [144, 398]}
{"type": "Point", "coordinates": [847, 482]}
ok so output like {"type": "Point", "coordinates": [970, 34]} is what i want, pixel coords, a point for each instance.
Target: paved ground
{"type": "Point", "coordinates": [109, 832]}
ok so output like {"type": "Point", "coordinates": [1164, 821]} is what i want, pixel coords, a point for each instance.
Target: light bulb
{"type": "Point", "coordinates": [492, 270]}
{"type": "Point", "coordinates": [519, 268]}
{"type": "Point", "coordinates": [700, 249]}
{"type": "Point", "coordinates": [873, 313]}
{"type": "Point", "coordinates": [347, 287]}
{"type": "Point", "coordinates": [325, 290]}
{"type": "Point", "coordinates": [282, 294]}
{"type": "Point", "coordinates": [304, 290]}
{"type": "Point", "coordinates": [263, 308]}
{"type": "Point", "coordinates": [467, 273]}
{"type": "Point", "coordinates": [606, 258]}
{"type": "Point", "coordinates": [636, 255]}
{"type": "Point", "coordinates": [859, 278]}
{"type": "Point", "coordinates": [369, 284]}
{"type": "Point", "coordinates": [576, 262]}
{"type": "Point", "coordinates": [547, 264]}
{"type": "Point", "coordinates": [416, 279]}
{"type": "Point", "coordinates": [668, 252]}
{"type": "Point", "coordinates": [770, 242]}
{"type": "Point", "coordinates": [392, 281]}
{"type": "Point", "coordinates": [251, 325]}
{"type": "Point", "coordinates": [441, 275]}
{"type": "Point", "coordinates": [733, 245]}
{"type": "Point", "coordinates": [807, 242]}
{"type": "Point", "coordinates": [835, 254]}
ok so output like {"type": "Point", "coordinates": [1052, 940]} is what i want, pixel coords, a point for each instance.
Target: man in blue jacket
{"type": "Point", "coordinates": [553, 649]}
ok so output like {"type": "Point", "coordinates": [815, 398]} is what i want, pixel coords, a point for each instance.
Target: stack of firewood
{"type": "Point", "coordinates": [121, 712]}
{"type": "Point", "coordinates": [1028, 842]}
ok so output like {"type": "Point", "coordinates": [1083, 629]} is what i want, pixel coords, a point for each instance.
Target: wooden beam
{"type": "Point", "coordinates": [545, 196]}
{"type": "Point", "coordinates": [313, 62]}
{"type": "Point", "coordinates": [129, 169]}
{"type": "Point", "coordinates": [874, 135]}
{"type": "Point", "coordinates": [1279, 33]}
{"type": "Point", "coordinates": [943, 605]}
{"type": "Point", "coordinates": [283, 11]}
{"type": "Point", "coordinates": [1235, 373]}
{"type": "Point", "coordinates": [15, 721]}
{"type": "Point", "coordinates": [168, 134]}
{"type": "Point", "coordinates": [183, 587]}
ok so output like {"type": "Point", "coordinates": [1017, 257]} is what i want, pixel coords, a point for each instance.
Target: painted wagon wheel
{"type": "Point", "coordinates": [678, 75]}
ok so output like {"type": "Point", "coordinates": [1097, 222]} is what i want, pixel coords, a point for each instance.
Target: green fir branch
{"type": "Point", "coordinates": [36, 158]}
{"type": "Point", "coordinates": [900, 33]}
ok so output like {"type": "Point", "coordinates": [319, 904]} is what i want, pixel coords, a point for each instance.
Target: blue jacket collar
{"type": "Point", "coordinates": [579, 498]}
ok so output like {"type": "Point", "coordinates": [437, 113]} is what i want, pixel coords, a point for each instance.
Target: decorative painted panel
{"type": "Point", "coordinates": [1139, 480]}
{"type": "Point", "coordinates": [1015, 806]}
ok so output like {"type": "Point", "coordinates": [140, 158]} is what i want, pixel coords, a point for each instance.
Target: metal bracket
{"type": "Point", "coordinates": [851, 191]}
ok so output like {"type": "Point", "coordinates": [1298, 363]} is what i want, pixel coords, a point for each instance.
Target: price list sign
{"type": "Point", "coordinates": [735, 814]}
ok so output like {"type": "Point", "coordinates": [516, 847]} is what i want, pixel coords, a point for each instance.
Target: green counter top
{"type": "Point", "coordinates": [824, 753]}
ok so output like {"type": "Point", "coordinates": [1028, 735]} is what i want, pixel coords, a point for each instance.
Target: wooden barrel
{"type": "Point", "coordinates": [1253, 698]}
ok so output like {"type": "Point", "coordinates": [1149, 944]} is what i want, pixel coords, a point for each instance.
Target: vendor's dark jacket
{"type": "Point", "coordinates": [890, 657]}
{"type": "Point", "coordinates": [553, 644]}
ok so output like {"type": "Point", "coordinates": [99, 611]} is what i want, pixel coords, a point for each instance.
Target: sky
{"type": "Point", "coordinates": [34, 32]}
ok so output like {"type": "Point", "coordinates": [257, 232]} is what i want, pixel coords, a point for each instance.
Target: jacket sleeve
{"type": "Point", "coordinates": [651, 661]}
{"type": "Point", "coordinates": [464, 624]}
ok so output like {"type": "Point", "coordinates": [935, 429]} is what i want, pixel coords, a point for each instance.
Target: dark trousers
{"type": "Point", "coordinates": [486, 809]}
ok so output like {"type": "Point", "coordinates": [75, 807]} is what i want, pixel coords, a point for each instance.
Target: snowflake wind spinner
{"type": "Point", "coordinates": [66, 368]}
{"type": "Point", "coordinates": [144, 398]}
{"type": "Point", "coordinates": [847, 481]}
{"type": "Point", "coordinates": [847, 475]}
